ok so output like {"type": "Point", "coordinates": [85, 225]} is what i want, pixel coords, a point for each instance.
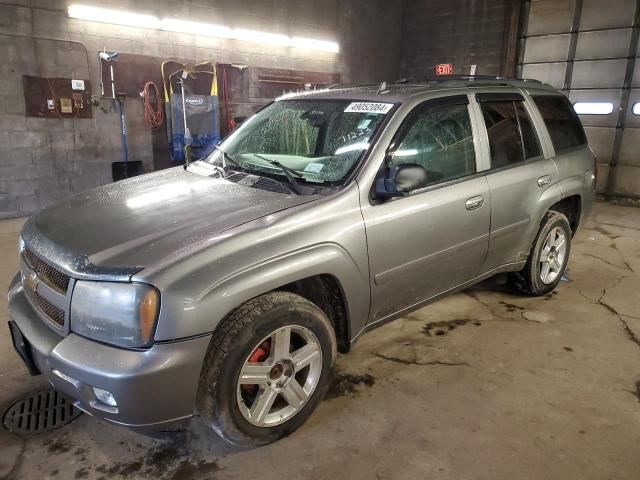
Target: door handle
{"type": "Point", "coordinates": [474, 202]}
{"type": "Point", "coordinates": [544, 180]}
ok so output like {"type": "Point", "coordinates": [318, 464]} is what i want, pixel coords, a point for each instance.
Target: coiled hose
{"type": "Point", "coordinates": [152, 116]}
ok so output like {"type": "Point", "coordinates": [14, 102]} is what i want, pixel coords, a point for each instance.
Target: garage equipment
{"type": "Point", "coordinates": [189, 110]}
{"type": "Point", "coordinates": [154, 117]}
{"type": "Point", "coordinates": [125, 168]}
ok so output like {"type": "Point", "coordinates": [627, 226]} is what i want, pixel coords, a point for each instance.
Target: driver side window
{"type": "Point", "coordinates": [438, 137]}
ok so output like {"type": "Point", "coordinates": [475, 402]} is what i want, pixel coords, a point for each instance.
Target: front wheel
{"type": "Point", "coordinates": [548, 257]}
{"type": "Point", "coordinates": [268, 366]}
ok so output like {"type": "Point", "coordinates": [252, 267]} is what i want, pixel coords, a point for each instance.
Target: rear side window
{"type": "Point", "coordinates": [438, 137]}
{"type": "Point", "coordinates": [512, 137]}
{"type": "Point", "coordinates": [562, 121]}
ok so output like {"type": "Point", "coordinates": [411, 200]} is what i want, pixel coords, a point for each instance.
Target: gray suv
{"type": "Point", "coordinates": [224, 289]}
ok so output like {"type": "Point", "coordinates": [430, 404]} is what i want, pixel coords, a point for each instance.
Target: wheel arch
{"type": "Point", "coordinates": [324, 274]}
{"type": "Point", "coordinates": [570, 207]}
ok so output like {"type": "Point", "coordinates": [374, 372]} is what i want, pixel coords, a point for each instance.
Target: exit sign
{"type": "Point", "coordinates": [444, 69]}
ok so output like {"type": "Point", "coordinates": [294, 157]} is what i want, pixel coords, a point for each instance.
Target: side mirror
{"type": "Point", "coordinates": [401, 180]}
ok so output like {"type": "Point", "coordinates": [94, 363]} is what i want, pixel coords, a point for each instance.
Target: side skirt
{"type": "Point", "coordinates": [510, 267]}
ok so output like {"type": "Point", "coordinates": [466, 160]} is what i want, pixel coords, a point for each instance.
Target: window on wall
{"type": "Point", "coordinates": [512, 137]}
{"type": "Point", "coordinates": [438, 137]}
{"type": "Point", "coordinates": [562, 121]}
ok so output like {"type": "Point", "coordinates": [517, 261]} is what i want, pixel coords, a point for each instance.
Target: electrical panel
{"type": "Point", "coordinates": [57, 97]}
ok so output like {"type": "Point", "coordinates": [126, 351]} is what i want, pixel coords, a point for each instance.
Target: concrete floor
{"type": "Point", "coordinates": [485, 384]}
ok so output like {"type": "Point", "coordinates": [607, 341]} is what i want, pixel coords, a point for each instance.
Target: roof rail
{"type": "Point", "coordinates": [480, 79]}
{"type": "Point", "coordinates": [484, 78]}
{"type": "Point", "coordinates": [351, 85]}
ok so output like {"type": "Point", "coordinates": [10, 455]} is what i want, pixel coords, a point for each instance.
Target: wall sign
{"type": "Point", "coordinates": [444, 69]}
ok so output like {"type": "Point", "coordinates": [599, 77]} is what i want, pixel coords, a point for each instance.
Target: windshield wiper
{"type": "Point", "coordinates": [290, 174]}
{"type": "Point", "coordinates": [227, 157]}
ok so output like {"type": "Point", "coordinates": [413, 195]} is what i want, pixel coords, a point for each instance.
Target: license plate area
{"type": "Point", "coordinates": [22, 347]}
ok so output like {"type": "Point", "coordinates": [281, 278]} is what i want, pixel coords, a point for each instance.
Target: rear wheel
{"type": "Point", "coordinates": [548, 257]}
{"type": "Point", "coordinates": [268, 367]}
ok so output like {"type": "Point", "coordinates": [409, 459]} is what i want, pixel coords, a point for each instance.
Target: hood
{"type": "Point", "coordinates": [118, 229]}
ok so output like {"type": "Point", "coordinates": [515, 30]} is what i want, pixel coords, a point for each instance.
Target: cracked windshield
{"type": "Point", "coordinates": [317, 142]}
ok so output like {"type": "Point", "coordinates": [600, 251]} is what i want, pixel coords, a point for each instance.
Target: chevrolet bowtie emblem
{"type": "Point", "coordinates": [31, 281]}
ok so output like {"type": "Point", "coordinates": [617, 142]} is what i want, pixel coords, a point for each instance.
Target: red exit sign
{"type": "Point", "coordinates": [444, 69]}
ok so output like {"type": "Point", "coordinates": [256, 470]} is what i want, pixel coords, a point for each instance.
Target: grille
{"type": "Point", "coordinates": [46, 272]}
{"type": "Point", "coordinates": [40, 411]}
{"type": "Point", "coordinates": [47, 308]}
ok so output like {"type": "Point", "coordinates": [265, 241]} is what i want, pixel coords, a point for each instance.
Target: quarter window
{"type": "Point", "coordinates": [562, 121]}
{"type": "Point", "coordinates": [438, 137]}
{"type": "Point", "coordinates": [512, 137]}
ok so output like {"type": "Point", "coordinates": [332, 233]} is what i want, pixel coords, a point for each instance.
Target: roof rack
{"type": "Point", "coordinates": [482, 78]}
{"type": "Point", "coordinates": [443, 81]}
{"type": "Point", "coordinates": [352, 85]}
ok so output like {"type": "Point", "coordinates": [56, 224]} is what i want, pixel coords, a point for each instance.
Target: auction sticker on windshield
{"type": "Point", "coordinates": [368, 107]}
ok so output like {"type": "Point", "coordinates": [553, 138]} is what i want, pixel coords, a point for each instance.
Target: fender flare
{"type": "Point", "coordinates": [233, 290]}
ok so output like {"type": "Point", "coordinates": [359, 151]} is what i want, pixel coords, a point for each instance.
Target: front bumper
{"type": "Point", "coordinates": [153, 388]}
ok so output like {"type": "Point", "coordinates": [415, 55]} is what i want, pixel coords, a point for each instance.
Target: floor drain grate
{"type": "Point", "coordinates": [40, 411]}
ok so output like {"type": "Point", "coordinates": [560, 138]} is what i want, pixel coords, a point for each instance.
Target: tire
{"type": "Point", "coordinates": [242, 344]}
{"type": "Point", "coordinates": [533, 280]}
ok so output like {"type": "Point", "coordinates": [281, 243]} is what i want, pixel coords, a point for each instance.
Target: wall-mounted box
{"type": "Point", "coordinates": [57, 97]}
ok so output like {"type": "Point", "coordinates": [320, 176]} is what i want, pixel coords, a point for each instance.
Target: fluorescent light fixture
{"type": "Point", "coordinates": [260, 37]}
{"type": "Point", "coordinates": [593, 108]}
{"type": "Point", "coordinates": [636, 109]}
{"type": "Point", "coordinates": [196, 28]}
{"type": "Point", "coordinates": [123, 17]}
{"type": "Point", "coordinates": [312, 44]}
{"type": "Point", "coordinates": [118, 17]}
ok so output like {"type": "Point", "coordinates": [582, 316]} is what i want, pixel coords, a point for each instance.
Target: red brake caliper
{"type": "Point", "coordinates": [260, 354]}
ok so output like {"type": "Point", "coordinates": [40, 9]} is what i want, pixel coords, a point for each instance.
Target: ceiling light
{"type": "Point", "coordinates": [261, 37]}
{"type": "Point", "coordinates": [593, 108]}
{"type": "Point", "coordinates": [312, 44]}
{"type": "Point", "coordinates": [196, 28]}
{"type": "Point", "coordinates": [118, 17]}
{"type": "Point", "coordinates": [122, 17]}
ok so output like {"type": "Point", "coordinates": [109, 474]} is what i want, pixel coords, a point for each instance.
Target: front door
{"type": "Point", "coordinates": [436, 237]}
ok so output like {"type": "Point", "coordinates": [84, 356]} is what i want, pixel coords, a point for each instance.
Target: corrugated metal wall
{"type": "Point", "coordinates": [588, 49]}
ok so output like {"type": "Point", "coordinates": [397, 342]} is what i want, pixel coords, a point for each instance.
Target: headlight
{"type": "Point", "coordinates": [123, 314]}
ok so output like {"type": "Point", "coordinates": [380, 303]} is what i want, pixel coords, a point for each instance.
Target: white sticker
{"type": "Point", "coordinates": [369, 107]}
{"type": "Point", "coordinates": [313, 167]}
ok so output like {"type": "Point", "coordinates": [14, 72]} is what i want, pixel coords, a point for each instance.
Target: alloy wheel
{"type": "Point", "coordinates": [279, 376]}
{"type": "Point", "coordinates": [552, 255]}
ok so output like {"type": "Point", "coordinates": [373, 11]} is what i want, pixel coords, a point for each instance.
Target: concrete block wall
{"type": "Point", "coordinates": [461, 32]}
{"type": "Point", "coordinates": [45, 160]}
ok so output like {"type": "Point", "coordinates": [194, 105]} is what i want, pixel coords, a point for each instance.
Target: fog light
{"type": "Point", "coordinates": [104, 396]}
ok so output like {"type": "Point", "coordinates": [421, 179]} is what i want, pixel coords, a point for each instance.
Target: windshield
{"type": "Point", "coordinates": [318, 141]}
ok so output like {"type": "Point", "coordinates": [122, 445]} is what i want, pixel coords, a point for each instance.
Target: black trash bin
{"type": "Point", "coordinates": [122, 170]}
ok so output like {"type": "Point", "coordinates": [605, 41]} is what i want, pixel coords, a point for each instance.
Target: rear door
{"type": "Point", "coordinates": [436, 237]}
{"type": "Point", "coordinates": [518, 174]}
